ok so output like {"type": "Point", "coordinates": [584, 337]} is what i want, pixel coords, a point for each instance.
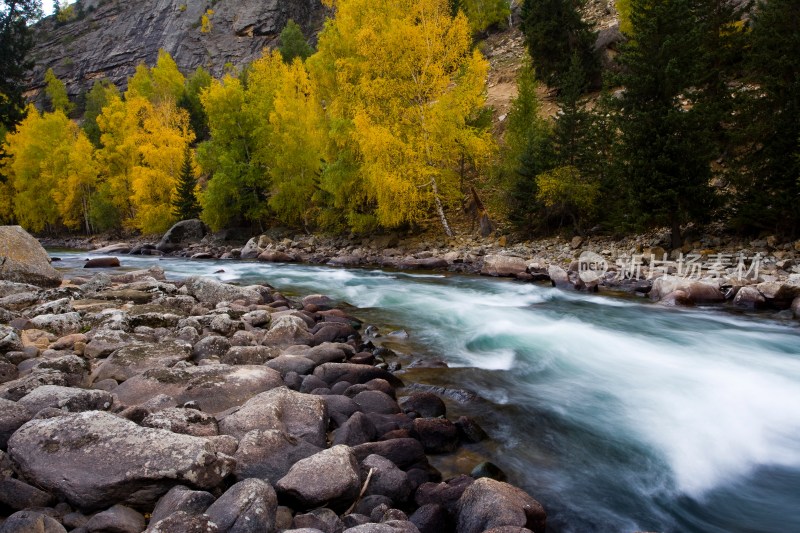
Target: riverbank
{"type": "Point", "coordinates": [130, 401]}
{"type": "Point", "coordinates": [749, 274]}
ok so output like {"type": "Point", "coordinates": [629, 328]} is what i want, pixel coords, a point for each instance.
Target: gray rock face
{"type": "Point", "coordinates": [488, 504]}
{"type": "Point", "coordinates": [114, 36]}
{"type": "Point", "coordinates": [330, 478]}
{"type": "Point", "coordinates": [23, 260]}
{"type": "Point", "coordinates": [184, 232]}
{"type": "Point", "coordinates": [247, 507]}
{"type": "Point", "coordinates": [300, 415]}
{"type": "Point", "coordinates": [95, 459]}
{"type": "Point", "coordinates": [215, 388]}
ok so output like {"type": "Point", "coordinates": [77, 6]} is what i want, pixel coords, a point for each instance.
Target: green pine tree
{"type": "Point", "coordinates": [664, 153]}
{"type": "Point", "coordinates": [294, 43]}
{"type": "Point", "coordinates": [768, 193]}
{"type": "Point", "coordinates": [185, 204]}
{"type": "Point", "coordinates": [554, 33]}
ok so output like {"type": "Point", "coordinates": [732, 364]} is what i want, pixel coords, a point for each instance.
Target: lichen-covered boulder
{"type": "Point", "coordinates": [301, 415]}
{"type": "Point", "coordinates": [488, 504]}
{"type": "Point", "coordinates": [328, 478]}
{"type": "Point", "coordinates": [135, 358]}
{"type": "Point", "coordinates": [23, 260]}
{"type": "Point", "coordinates": [215, 388]}
{"type": "Point", "coordinates": [95, 459]}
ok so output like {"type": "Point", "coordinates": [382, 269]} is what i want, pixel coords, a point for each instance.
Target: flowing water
{"type": "Point", "coordinates": [618, 415]}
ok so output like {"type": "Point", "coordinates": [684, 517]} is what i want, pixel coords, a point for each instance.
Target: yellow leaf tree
{"type": "Point", "coordinates": [403, 85]}
{"type": "Point", "coordinates": [51, 171]}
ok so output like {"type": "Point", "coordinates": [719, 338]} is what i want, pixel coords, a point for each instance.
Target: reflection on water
{"type": "Point", "coordinates": [618, 415]}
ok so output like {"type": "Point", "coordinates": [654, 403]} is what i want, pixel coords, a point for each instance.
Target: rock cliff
{"type": "Point", "coordinates": [108, 38]}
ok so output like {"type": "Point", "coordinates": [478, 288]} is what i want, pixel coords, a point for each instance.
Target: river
{"type": "Point", "coordinates": [617, 414]}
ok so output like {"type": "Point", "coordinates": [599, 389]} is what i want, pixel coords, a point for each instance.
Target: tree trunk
{"type": "Point", "coordinates": [440, 209]}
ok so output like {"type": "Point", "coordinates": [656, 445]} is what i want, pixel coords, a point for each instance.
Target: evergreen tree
{"type": "Point", "coordinates": [56, 92]}
{"type": "Point", "coordinates": [185, 204]}
{"type": "Point", "coordinates": [15, 43]}
{"type": "Point", "coordinates": [769, 191]}
{"type": "Point", "coordinates": [663, 152]}
{"type": "Point", "coordinates": [294, 43]}
{"type": "Point", "coordinates": [554, 33]}
{"type": "Point", "coordinates": [101, 93]}
{"type": "Point", "coordinates": [190, 101]}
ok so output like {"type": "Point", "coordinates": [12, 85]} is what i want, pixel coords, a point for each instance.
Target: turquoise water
{"type": "Point", "coordinates": [618, 415]}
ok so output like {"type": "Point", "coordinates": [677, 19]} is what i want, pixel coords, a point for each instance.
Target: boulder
{"type": "Point", "coordinates": [23, 259]}
{"type": "Point", "coordinates": [181, 234]}
{"type": "Point", "coordinates": [251, 250]}
{"type": "Point", "coordinates": [212, 292]}
{"type": "Point", "coordinates": [268, 454]}
{"type": "Point", "coordinates": [61, 324]}
{"type": "Point", "coordinates": [446, 494]}
{"type": "Point", "coordinates": [301, 415]}
{"type": "Point", "coordinates": [405, 452]}
{"type": "Point", "coordinates": [68, 399]}
{"type": "Point", "coordinates": [95, 459]}
{"type": "Point", "coordinates": [17, 388]}
{"type": "Point", "coordinates": [695, 291]}
{"type": "Point", "coordinates": [373, 401]}
{"type": "Point", "coordinates": [358, 429]}
{"type": "Point", "coordinates": [488, 504]}
{"type": "Point", "coordinates": [181, 499]}
{"type": "Point", "coordinates": [18, 495]}
{"type": "Point", "coordinates": [9, 340]}
{"type": "Point", "coordinates": [136, 358]}
{"type": "Point", "coordinates": [119, 519]}
{"type": "Point", "coordinates": [248, 355]}
{"type": "Point", "coordinates": [101, 262]}
{"type": "Point", "coordinates": [247, 507]}
{"type": "Point", "coordinates": [323, 520]}
{"type": "Point", "coordinates": [31, 522]}
{"type": "Point", "coordinates": [330, 373]}
{"type": "Point", "coordinates": [749, 298]}
{"type": "Point", "coordinates": [287, 330]}
{"type": "Point", "coordinates": [503, 265]}
{"type": "Point", "coordinates": [215, 388]}
{"type": "Point", "coordinates": [437, 435]}
{"type": "Point", "coordinates": [183, 522]}
{"type": "Point", "coordinates": [796, 307]}
{"type": "Point", "coordinates": [329, 478]}
{"type": "Point", "coordinates": [387, 480]}
{"type": "Point", "coordinates": [274, 256]}
{"type": "Point", "coordinates": [558, 276]}
{"type": "Point", "coordinates": [425, 404]}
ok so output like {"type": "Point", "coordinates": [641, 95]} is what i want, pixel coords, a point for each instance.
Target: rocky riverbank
{"type": "Point", "coordinates": [708, 269]}
{"type": "Point", "coordinates": [129, 402]}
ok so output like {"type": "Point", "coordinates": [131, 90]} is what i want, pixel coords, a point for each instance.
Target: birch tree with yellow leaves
{"type": "Point", "coordinates": [402, 85]}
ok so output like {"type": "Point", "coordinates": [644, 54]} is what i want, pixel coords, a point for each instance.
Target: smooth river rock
{"type": "Point", "coordinates": [95, 459]}
{"type": "Point", "coordinates": [23, 260]}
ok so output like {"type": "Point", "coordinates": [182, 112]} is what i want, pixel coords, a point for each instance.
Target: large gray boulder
{"type": "Point", "coordinates": [328, 478]}
{"type": "Point", "coordinates": [247, 507]}
{"type": "Point", "coordinates": [209, 291]}
{"type": "Point", "coordinates": [215, 388]}
{"type": "Point", "coordinates": [268, 454]}
{"type": "Point", "coordinates": [503, 265]}
{"type": "Point", "coordinates": [31, 522]}
{"type": "Point", "coordinates": [488, 504]}
{"type": "Point", "coordinates": [183, 233]}
{"type": "Point", "coordinates": [95, 459]}
{"type": "Point", "coordinates": [301, 415]}
{"type": "Point", "coordinates": [66, 398]}
{"type": "Point", "coordinates": [135, 358]}
{"type": "Point", "coordinates": [23, 260]}
{"type": "Point", "coordinates": [12, 416]}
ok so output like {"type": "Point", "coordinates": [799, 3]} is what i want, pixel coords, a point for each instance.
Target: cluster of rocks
{"type": "Point", "coordinates": [130, 402]}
